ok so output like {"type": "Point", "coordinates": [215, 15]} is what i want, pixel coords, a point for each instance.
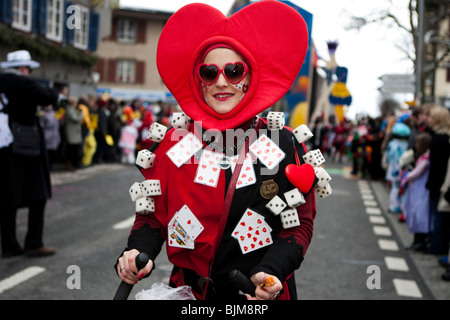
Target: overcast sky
{"type": "Point", "coordinates": [367, 54]}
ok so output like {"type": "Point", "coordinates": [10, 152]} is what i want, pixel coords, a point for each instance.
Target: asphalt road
{"type": "Point", "coordinates": [88, 221]}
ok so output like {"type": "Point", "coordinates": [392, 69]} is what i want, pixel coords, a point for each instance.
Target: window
{"type": "Point", "coordinates": [126, 31]}
{"type": "Point", "coordinates": [126, 71]}
{"type": "Point", "coordinates": [81, 34]}
{"type": "Point", "coordinates": [22, 12]}
{"type": "Point", "coordinates": [55, 17]}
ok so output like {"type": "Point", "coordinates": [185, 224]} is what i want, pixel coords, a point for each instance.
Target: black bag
{"type": "Point", "coordinates": [27, 139]}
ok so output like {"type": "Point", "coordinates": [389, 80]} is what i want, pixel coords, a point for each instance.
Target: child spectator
{"type": "Point", "coordinates": [127, 142]}
{"type": "Point", "coordinates": [416, 197]}
{"type": "Point", "coordinates": [395, 148]}
{"type": "Point", "coordinates": [51, 128]}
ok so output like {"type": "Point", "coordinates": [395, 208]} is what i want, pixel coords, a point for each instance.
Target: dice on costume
{"type": "Point", "coordinates": [322, 176]}
{"type": "Point", "coordinates": [136, 191]}
{"type": "Point", "coordinates": [289, 218]}
{"type": "Point", "coordinates": [276, 205]}
{"type": "Point", "coordinates": [314, 158]}
{"type": "Point", "coordinates": [323, 192]}
{"type": "Point", "coordinates": [145, 205]}
{"type": "Point", "coordinates": [145, 159]}
{"type": "Point", "coordinates": [156, 132]}
{"type": "Point", "coordinates": [180, 120]}
{"type": "Point", "coordinates": [302, 133]}
{"type": "Point", "coordinates": [294, 198]}
{"type": "Point", "coordinates": [151, 187]}
{"type": "Point", "coordinates": [275, 120]}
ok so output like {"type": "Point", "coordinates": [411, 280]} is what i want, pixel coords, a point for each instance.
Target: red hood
{"type": "Point", "coordinates": [271, 36]}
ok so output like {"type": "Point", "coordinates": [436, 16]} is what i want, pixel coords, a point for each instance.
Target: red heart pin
{"type": "Point", "coordinates": [302, 177]}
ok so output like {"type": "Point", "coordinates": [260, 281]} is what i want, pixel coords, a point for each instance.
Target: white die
{"type": "Point", "coordinates": [302, 133]}
{"type": "Point", "coordinates": [324, 192]}
{"type": "Point", "coordinates": [294, 198]}
{"type": "Point", "coordinates": [276, 205]}
{"type": "Point", "coordinates": [151, 187]}
{"type": "Point", "coordinates": [156, 132]}
{"type": "Point", "coordinates": [180, 120]}
{"type": "Point", "coordinates": [314, 158]}
{"type": "Point", "coordinates": [145, 159]}
{"type": "Point", "coordinates": [136, 191]}
{"type": "Point", "coordinates": [145, 205]}
{"type": "Point", "coordinates": [289, 218]}
{"type": "Point", "coordinates": [275, 120]}
{"type": "Point", "coordinates": [323, 176]}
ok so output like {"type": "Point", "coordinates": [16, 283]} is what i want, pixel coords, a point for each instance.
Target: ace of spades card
{"type": "Point", "coordinates": [252, 232]}
{"type": "Point", "coordinates": [183, 229]}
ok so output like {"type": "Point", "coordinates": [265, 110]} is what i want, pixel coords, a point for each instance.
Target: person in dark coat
{"type": "Point", "coordinates": [25, 180]}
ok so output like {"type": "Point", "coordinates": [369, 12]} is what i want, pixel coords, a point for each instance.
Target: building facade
{"type": "Point", "coordinates": [62, 35]}
{"type": "Point", "coordinates": [127, 64]}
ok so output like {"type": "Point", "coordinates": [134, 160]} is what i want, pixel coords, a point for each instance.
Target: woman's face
{"type": "Point", "coordinates": [222, 96]}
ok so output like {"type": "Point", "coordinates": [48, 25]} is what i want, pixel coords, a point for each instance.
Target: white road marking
{"type": "Point", "coordinates": [368, 197]}
{"type": "Point", "coordinates": [125, 224]}
{"type": "Point", "coordinates": [397, 264]}
{"type": "Point", "coordinates": [389, 245]}
{"type": "Point", "coordinates": [370, 203]}
{"type": "Point", "coordinates": [407, 288]}
{"type": "Point", "coordinates": [20, 277]}
{"type": "Point", "coordinates": [377, 219]}
{"type": "Point", "coordinates": [382, 231]}
{"type": "Point", "coordinates": [370, 210]}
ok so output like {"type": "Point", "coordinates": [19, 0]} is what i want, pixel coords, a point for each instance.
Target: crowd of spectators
{"type": "Point", "coordinates": [88, 130]}
{"type": "Point", "coordinates": [408, 151]}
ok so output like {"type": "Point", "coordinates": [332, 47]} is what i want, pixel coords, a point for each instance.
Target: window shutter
{"type": "Point", "coordinates": [39, 18]}
{"type": "Point", "coordinates": [94, 20]}
{"type": "Point", "coordinates": [6, 11]}
{"type": "Point", "coordinates": [100, 68]}
{"type": "Point", "coordinates": [140, 72]}
{"type": "Point", "coordinates": [113, 36]}
{"type": "Point", "coordinates": [141, 32]}
{"type": "Point", "coordinates": [111, 70]}
{"type": "Point", "coordinates": [68, 34]}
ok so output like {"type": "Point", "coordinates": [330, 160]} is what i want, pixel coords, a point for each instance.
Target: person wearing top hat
{"type": "Point", "coordinates": [25, 179]}
{"type": "Point", "coordinates": [225, 189]}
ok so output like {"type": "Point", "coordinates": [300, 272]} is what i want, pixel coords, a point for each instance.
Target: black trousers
{"type": "Point", "coordinates": [33, 239]}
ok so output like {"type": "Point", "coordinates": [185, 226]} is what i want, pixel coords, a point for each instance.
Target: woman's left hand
{"type": "Point", "coordinates": [268, 287]}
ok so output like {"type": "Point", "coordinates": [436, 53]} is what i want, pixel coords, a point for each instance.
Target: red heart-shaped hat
{"type": "Point", "coordinates": [271, 37]}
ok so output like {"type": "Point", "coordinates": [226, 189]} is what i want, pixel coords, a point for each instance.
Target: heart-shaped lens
{"type": "Point", "coordinates": [209, 73]}
{"type": "Point", "coordinates": [234, 72]}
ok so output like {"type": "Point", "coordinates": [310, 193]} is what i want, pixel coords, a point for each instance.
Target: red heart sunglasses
{"type": "Point", "coordinates": [233, 72]}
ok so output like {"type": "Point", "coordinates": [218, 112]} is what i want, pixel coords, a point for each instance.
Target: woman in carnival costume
{"type": "Point", "coordinates": [223, 188]}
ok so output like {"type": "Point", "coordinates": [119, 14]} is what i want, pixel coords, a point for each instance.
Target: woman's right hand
{"type": "Point", "coordinates": [127, 270]}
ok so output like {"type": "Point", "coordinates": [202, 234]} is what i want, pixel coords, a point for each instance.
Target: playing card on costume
{"type": "Point", "coordinates": [267, 151]}
{"type": "Point", "coordinates": [189, 222]}
{"type": "Point", "coordinates": [247, 175]}
{"type": "Point", "coordinates": [208, 170]}
{"type": "Point", "coordinates": [252, 232]}
{"type": "Point", "coordinates": [183, 229]}
{"type": "Point", "coordinates": [181, 152]}
{"type": "Point", "coordinates": [177, 236]}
